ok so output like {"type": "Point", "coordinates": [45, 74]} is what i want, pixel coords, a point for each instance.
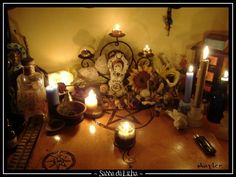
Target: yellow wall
{"type": "Point", "coordinates": [56, 35]}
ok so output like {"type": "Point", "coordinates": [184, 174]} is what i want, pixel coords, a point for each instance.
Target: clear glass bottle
{"type": "Point", "coordinates": [31, 93]}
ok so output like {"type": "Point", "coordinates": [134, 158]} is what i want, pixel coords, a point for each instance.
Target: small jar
{"type": "Point", "coordinates": [125, 135]}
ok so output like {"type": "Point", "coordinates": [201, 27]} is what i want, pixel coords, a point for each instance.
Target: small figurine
{"type": "Point", "coordinates": [117, 66]}
{"type": "Point", "coordinates": [180, 120]}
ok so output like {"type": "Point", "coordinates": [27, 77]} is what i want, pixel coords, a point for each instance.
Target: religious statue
{"type": "Point", "coordinates": [117, 66]}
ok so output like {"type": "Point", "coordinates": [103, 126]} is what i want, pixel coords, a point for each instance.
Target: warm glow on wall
{"type": "Point", "coordinates": [60, 32]}
{"type": "Point", "coordinates": [60, 76]}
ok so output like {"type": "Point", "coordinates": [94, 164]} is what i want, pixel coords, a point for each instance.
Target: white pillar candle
{"type": "Point", "coordinates": [188, 85]}
{"type": "Point", "coordinates": [91, 101]}
{"type": "Point", "coordinates": [52, 95]}
{"type": "Point", "coordinates": [201, 78]}
{"type": "Point", "coordinates": [126, 131]}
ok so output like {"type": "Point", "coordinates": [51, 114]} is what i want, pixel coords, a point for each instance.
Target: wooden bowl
{"type": "Point", "coordinates": [72, 111]}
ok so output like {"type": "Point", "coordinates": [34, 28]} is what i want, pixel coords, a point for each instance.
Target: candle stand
{"type": "Point", "coordinates": [88, 60]}
{"type": "Point", "coordinates": [184, 107]}
{"type": "Point", "coordinates": [145, 58]}
{"type": "Point", "coordinates": [195, 117]}
{"type": "Point", "coordinates": [95, 113]}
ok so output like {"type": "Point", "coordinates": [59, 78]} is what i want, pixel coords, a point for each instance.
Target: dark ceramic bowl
{"type": "Point", "coordinates": [72, 111]}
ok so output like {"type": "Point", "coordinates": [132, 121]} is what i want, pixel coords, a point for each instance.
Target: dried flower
{"type": "Point", "coordinates": [139, 78]}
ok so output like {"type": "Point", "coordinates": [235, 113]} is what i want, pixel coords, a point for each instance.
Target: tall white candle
{"type": "Point", "coordinates": [201, 78]}
{"type": "Point", "coordinates": [91, 101]}
{"type": "Point", "coordinates": [52, 95]}
{"type": "Point", "coordinates": [188, 85]}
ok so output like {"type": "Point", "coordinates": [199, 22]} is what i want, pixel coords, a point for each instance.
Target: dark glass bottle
{"type": "Point", "coordinates": [217, 103]}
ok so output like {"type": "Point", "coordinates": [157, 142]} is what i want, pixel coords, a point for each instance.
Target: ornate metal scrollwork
{"type": "Point", "coordinates": [117, 43]}
{"type": "Point", "coordinates": [87, 58]}
{"type": "Point", "coordinates": [145, 59]}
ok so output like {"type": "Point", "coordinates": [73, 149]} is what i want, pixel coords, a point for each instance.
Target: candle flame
{"type": "Point", "coordinates": [91, 94]}
{"type": "Point", "coordinates": [205, 52]}
{"type": "Point", "coordinates": [126, 126]}
{"type": "Point", "coordinates": [57, 138]}
{"type": "Point", "coordinates": [146, 48]}
{"type": "Point", "coordinates": [91, 100]}
{"type": "Point", "coordinates": [116, 27]}
{"type": "Point", "coordinates": [226, 74]}
{"type": "Point", "coordinates": [190, 69]}
{"type": "Point", "coordinates": [126, 130]}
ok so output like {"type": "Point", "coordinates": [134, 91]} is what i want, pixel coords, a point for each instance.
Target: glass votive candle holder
{"type": "Point", "coordinates": [94, 110]}
{"type": "Point", "coordinates": [125, 135]}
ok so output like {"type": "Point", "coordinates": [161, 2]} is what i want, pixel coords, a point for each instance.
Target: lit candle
{"type": "Point", "coordinates": [52, 95]}
{"type": "Point", "coordinates": [116, 28]}
{"type": "Point", "coordinates": [91, 101]}
{"type": "Point", "coordinates": [201, 78]}
{"type": "Point", "coordinates": [224, 81]}
{"type": "Point", "coordinates": [188, 85]}
{"type": "Point", "coordinates": [57, 138]}
{"type": "Point", "coordinates": [126, 131]}
{"type": "Point", "coordinates": [125, 135]}
{"type": "Point", "coordinates": [146, 49]}
{"type": "Point", "coordinates": [225, 77]}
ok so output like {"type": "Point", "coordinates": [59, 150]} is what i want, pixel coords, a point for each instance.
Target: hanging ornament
{"type": "Point", "coordinates": [168, 20]}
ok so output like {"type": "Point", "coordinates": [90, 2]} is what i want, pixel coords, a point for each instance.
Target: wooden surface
{"type": "Point", "coordinates": [159, 145]}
